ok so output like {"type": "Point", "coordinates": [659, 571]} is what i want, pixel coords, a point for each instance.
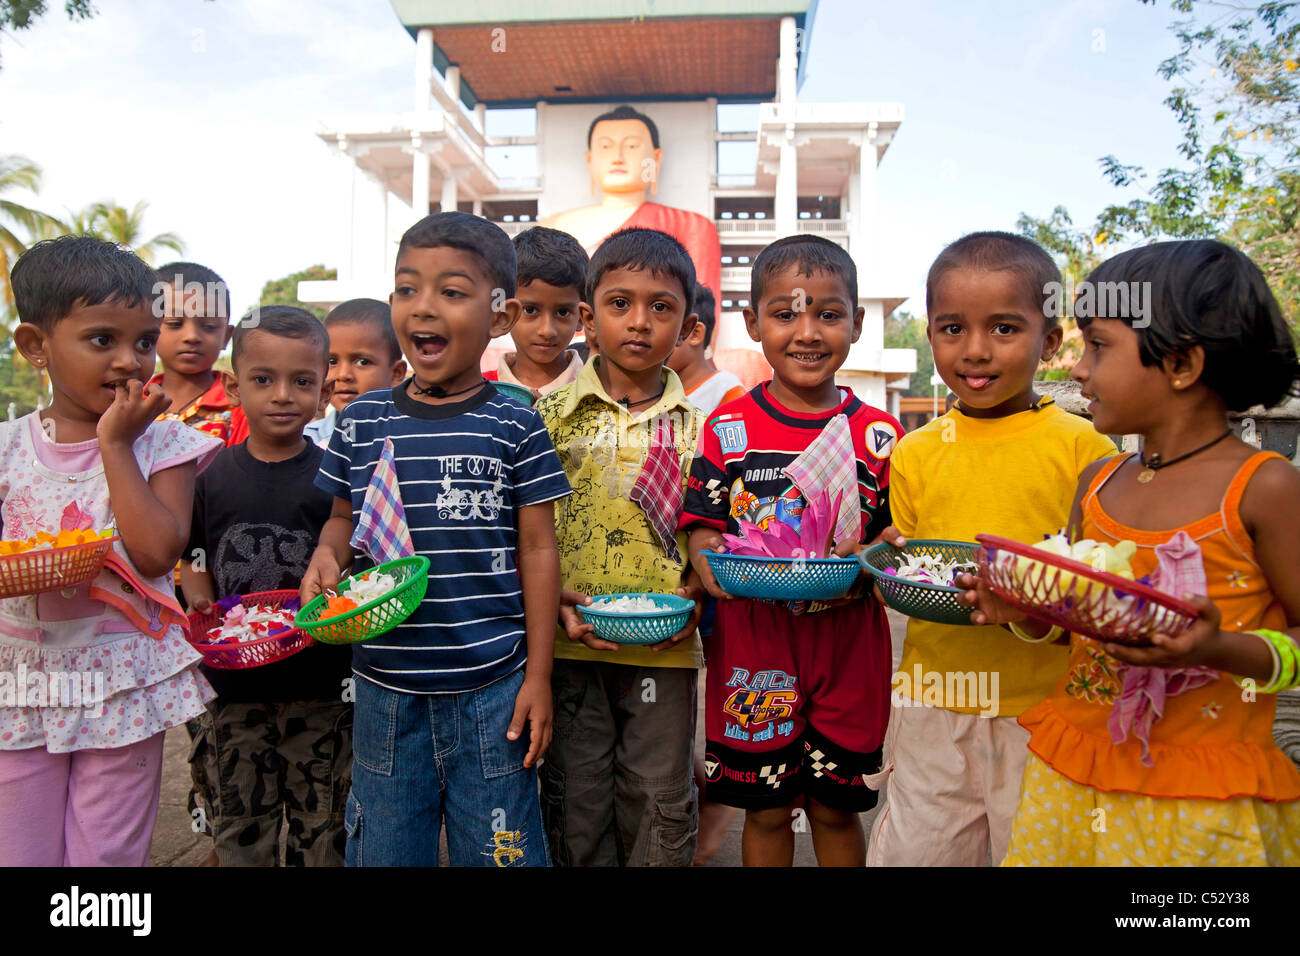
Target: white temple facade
{"type": "Point", "coordinates": [803, 167]}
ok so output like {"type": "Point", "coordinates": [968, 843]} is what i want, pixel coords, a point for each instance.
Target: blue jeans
{"type": "Point", "coordinates": [420, 760]}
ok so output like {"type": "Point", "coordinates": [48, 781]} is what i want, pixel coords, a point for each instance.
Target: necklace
{"type": "Point", "coordinates": [437, 391]}
{"type": "Point", "coordinates": [1154, 464]}
{"type": "Point", "coordinates": [626, 402]}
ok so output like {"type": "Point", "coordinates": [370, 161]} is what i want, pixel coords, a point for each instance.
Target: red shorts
{"type": "Point", "coordinates": [796, 704]}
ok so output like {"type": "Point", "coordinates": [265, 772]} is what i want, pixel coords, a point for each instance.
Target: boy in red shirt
{"type": "Point", "coordinates": [797, 697]}
{"type": "Point", "coordinates": [194, 305]}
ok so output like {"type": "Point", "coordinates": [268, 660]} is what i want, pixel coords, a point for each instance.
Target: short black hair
{"type": "Point", "coordinates": [812, 254]}
{"type": "Point", "coordinates": [374, 315]}
{"type": "Point", "coordinates": [550, 256]}
{"type": "Point", "coordinates": [637, 249]}
{"type": "Point", "coordinates": [460, 230]}
{"type": "Point", "coordinates": [997, 252]}
{"type": "Point", "coordinates": [286, 321]}
{"type": "Point", "coordinates": [1204, 292]}
{"type": "Point", "coordinates": [703, 308]}
{"type": "Point", "coordinates": [625, 112]}
{"type": "Point", "coordinates": [55, 276]}
{"type": "Point", "coordinates": [183, 273]}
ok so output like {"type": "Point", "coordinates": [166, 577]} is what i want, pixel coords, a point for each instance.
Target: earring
{"type": "Point", "coordinates": [1178, 382]}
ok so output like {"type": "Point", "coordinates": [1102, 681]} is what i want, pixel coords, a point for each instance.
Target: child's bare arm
{"type": "Point", "coordinates": [199, 588]}
{"type": "Point", "coordinates": [332, 554]}
{"type": "Point", "coordinates": [699, 538]}
{"type": "Point", "coordinates": [1270, 510]}
{"type": "Point", "coordinates": [539, 575]}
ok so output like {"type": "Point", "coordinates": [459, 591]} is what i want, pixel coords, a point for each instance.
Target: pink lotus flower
{"type": "Point", "coordinates": [814, 539]}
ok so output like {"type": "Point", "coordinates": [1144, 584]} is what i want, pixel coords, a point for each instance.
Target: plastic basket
{"type": "Point", "coordinates": [783, 579]}
{"type": "Point", "coordinates": [926, 602]}
{"type": "Point", "coordinates": [257, 653]}
{"type": "Point", "coordinates": [515, 391]}
{"type": "Point", "coordinates": [52, 569]}
{"type": "Point", "coordinates": [648, 628]}
{"type": "Point", "coordinates": [373, 617]}
{"type": "Point", "coordinates": [1079, 598]}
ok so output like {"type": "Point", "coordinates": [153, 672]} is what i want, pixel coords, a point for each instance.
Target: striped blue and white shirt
{"type": "Point", "coordinates": [464, 468]}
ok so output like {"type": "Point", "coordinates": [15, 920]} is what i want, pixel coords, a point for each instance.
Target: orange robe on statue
{"type": "Point", "coordinates": [698, 234]}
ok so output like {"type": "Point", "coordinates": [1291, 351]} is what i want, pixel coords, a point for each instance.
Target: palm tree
{"type": "Point", "coordinates": [17, 172]}
{"type": "Point", "coordinates": [126, 228]}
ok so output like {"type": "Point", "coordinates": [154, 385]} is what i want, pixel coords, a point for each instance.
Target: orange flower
{"type": "Point", "coordinates": [338, 605]}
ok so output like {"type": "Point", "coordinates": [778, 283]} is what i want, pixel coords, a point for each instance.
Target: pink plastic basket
{"type": "Point", "coordinates": [1094, 603]}
{"type": "Point", "coordinates": [258, 653]}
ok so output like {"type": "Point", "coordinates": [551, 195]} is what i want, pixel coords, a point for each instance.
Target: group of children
{"type": "Point", "coordinates": [495, 711]}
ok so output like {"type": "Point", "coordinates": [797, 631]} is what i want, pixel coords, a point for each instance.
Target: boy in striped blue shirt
{"type": "Point", "coordinates": [453, 706]}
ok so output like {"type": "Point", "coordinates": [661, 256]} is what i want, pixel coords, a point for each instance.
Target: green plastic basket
{"type": "Point", "coordinates": [515, 391]}
{"type": "Point", "coordinates": [926, 602]}
{"type": "Point", "coordinates": [649, 628]}
{"type": "Point", "coordinates": [374, 617]}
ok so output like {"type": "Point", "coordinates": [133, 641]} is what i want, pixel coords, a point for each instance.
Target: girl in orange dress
{"type": "Point", "coordinates": [1176, 765]}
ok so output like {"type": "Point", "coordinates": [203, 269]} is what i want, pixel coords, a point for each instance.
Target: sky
{"type": "Point", "coordinates": [207, 109]}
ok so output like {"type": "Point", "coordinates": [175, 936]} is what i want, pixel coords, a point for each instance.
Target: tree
{"type": "Point", "coordinates": [285, 291]}
{"type": "Point", "coordinates": [18, 15]}
{"type": "Point", "coordinates": [107, 220]}
{"type": "Point", "coordinates": [906, 331]}
{"type": "Point", "coordinates": [1237, 101]}
{"type": "Point", "coordinates": [17, 222]}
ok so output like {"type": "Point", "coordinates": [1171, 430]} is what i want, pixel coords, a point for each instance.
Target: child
{"type": "Point", "coordinates": [552, 269]}
{"type": "Point", "coordinates": [81, 766]}
{"type": "Point", "coordinates": [277, 743]}
{"type": "Point", "coordinates": [194, 305]}
{"type": "Point", "coordinates": [705, 385]}
{"type": "Point", "coordinates": [364, 357]}
{"type": "Point", "coordinates": [956, 766]}
{"type": "Point", "coordinates": [617, 788]}
{"type": "Point", "coordinates": [1204, 784]}
{"type": "Point", "coordinates": [443, 699]}
{"type": "Point", "coordinates": [795, 704]}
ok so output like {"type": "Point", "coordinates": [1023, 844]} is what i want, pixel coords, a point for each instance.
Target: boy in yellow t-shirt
{"type": "Point", "coordinates": [617, 786]}
{"type": "Point", "coordinates": [1003, 461]}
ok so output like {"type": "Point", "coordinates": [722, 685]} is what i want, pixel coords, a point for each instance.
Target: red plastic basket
{"type": "Point", "coordinates": [264, 650]}
{"type": "Point", "coordinates": [52, 569]}
{"type": "Point", "coordinates": [1095, 603]}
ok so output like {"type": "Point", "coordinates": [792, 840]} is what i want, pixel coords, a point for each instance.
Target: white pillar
{"type": "Point", "coordinates": [787, 63]}
{"type": "Point", "coordinates": [453, 87]}
{"type": "Point", "coordinates": [419, 180]}
{"type": "Point", "coordinates": [449, 191]}
{"type": "Point", "coordinates": [382, 189]}
{"type": "Point", "coordinates": [423, 68]}
{"type": "Point", "coordinates": [863, 229]}
{"type": "Point", "coordinates": [478, 206]}
{"type": "Point", "coordinates": [347, 267]}
{"type": "Point", "coordinates": [480, 117]}
{"type": "Point", "coordinates": [787, 186]}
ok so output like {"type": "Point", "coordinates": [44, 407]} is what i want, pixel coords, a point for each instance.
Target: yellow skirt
{"type": "Point", "coordinates": [1062, 823]}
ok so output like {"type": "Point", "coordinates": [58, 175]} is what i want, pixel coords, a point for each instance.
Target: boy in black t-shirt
{"type": "Point", "coordinates": [277, 742]}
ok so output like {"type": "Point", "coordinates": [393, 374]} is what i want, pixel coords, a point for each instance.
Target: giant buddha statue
{"type": "Point", "coordinates": [623, 157]}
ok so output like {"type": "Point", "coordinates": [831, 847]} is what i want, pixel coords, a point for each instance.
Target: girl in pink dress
{"type": "Point", "coordinates": [96, 673]}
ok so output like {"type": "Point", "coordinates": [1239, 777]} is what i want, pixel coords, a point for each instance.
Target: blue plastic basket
{"type": "Point", "coordinates": [783, 579]}
{"type": "Point", "coordinates": [648, 628]}
{"type": "Point", "coordinates": [516, 392]}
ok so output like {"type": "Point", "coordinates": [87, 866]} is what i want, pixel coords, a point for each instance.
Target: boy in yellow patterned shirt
{"type": "Point", "coordinates": [617, 785]}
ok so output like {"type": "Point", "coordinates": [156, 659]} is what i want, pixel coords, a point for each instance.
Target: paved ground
{"type": "Point", "coordinates": [175, 843]}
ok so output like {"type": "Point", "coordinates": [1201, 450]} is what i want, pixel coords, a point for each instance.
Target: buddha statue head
{"type": "Point", "coordinates": [623, 153]}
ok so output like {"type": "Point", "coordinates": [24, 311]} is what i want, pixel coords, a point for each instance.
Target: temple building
{"type": "Point", "coordinates": [505, 94]}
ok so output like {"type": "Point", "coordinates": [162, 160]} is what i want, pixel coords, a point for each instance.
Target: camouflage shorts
{"type": "Point", "coordinates": [256, 767]}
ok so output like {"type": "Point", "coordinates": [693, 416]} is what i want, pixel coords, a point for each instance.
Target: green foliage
{"type": "Point", "coordinates": [285, 291]}
{"type": "Point", "coordinates": [115, 223]}
{"type": "Point", "coordinates": [20, 14]}
{"type": "Point", "coordinates": [906, 331]}
{"type": "Point", "coordinates": [1237, 101]}
{"type": "Point", "coordinates": [20, 385]}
